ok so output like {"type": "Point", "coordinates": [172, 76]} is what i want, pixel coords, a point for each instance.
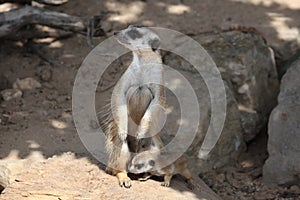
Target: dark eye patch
{"type": "Point", "coordinates": [134, 34]}
{"type": "Point", "coordinates": [138, 166]}
{"type": "Point", "coordinates": [138, 26]}
{"type": "Point", "coordinates": [151, 163]}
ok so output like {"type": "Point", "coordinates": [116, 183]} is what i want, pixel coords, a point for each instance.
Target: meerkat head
{"type": "Point", "coordinates": [143, 162]}
{"type": "Point", "coordinates": [138, 38]}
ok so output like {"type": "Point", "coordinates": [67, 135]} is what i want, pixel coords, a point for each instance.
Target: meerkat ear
{"type": "Point", "coordinates": [154, 44]}
{"type": "Point", "coordinates": [151, 163]}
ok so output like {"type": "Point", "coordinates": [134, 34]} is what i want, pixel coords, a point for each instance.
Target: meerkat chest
{"type": "Point", "coordinates": [146, 74]}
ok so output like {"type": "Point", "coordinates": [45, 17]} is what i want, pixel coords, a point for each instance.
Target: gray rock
{"type": "Point", "coordinates": [9, 94]}
{"type": "Point", "coordinates": [285, 55]}
{"type": "Point", "coordinates": [28, 83]}
{"type": "Point", "coordinates": [4, 177]}
{"type": "Point", "coordinates": [45, 73]}
{"type": "Point", "coordinates": [247, 67]}
{"type": "Point", "coordinates": [283, 165]}
{"type": "Point", "coordinates": [230, 143]}
{"type": "Point", "coordinates": [252, 123]}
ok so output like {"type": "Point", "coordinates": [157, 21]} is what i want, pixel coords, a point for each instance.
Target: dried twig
{"type": "Point", "coordinates": [12, 21]}
{"type": "Point", "coordinates": [46, 2]}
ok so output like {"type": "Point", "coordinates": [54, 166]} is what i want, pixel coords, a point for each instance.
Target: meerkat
{"type": "Point", "coordinates": [136, 101]}
{"type": "Point", "coordinates": [148, 162]}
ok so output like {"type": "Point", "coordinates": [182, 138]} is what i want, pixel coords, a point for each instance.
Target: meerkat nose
{"type": "Point", "coordinates": [116, 33]}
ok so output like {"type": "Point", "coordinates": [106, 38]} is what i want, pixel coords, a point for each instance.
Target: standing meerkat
{"type": "Point", "coordinates": [150, 163]}
{"type": "Point", "coordinates": [137, 101]}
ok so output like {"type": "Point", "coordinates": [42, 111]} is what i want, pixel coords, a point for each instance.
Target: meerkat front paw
{"type": "Point", "coordinates": [124, 180]}
{"type": "Point", "coordinates": [165, 184]}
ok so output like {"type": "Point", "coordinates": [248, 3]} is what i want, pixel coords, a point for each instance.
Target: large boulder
{"type": "Point", "coordinates": [230, 143]}
{"type": "Point", "coordinates": [4, 177]}
{"type": "Point", "coordinates": [247, 66]}
{"type": "Point", "coordinates": [10, 168]}
{"type": "Point", "coordinates": [283, 165]}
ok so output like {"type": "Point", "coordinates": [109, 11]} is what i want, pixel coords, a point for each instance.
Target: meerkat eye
{"type": "Point", "coordinates": [139, 166]}
{"type": "Point", "coordinates": [151, 163]}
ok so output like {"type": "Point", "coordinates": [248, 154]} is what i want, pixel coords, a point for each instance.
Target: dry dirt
{"type": "Point", "coordinates": [39, 125]}
{"type": "Point", "coordinates": [66, 177]}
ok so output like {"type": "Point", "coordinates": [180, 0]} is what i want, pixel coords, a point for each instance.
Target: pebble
{"type": "Point", "coordinates": [295, 188]}
{"type": "Point", "coordinates": [4, 176]}
{"type": "Point", "coordinates": [9, 94]}
{"type": "Point", "coordinates": [28, 83]}
{"type": "Point", "coordinates": [45, 74]}
{"type": "Point", "coordinates": [243, 89]}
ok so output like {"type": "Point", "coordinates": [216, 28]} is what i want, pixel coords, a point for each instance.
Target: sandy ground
{"type": "Point", "coordinates": [39, 124]}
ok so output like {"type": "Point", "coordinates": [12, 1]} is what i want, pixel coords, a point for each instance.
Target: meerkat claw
{"type": "Point", "coordinates": [165, 184]}
{"type": "Point", "coordinates": [125, 183]}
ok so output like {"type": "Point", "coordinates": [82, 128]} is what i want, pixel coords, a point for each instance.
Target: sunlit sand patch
{"type": "Point", "coordinates": [126, 13]}
{"type": "Point", "coordinates": [178, 9]}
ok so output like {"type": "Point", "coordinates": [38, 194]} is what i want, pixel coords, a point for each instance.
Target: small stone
{"type": "Point", "coordinates": [28, 83]}
{"type": "Point", "coordinates": [243, 89]}
{"type": "Point", "coordinates": [45, 74]}
{"type": "Point", "coordinates": [9, 94]}
{"type": "Point", "coordinates": [25, 194]}
{"type": "Point", "coordinates": [295, 188]}
{"type": "Point", "coordinates": [4, 176]}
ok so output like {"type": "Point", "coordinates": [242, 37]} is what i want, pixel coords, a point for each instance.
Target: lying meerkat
{"type": "Point", "coordinates": [136, 101]}
{"type": "Point", "coordinates": [149, 162]}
